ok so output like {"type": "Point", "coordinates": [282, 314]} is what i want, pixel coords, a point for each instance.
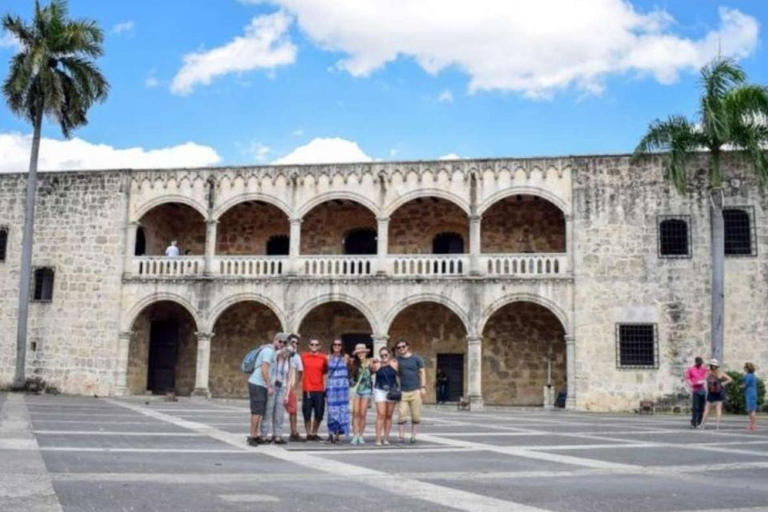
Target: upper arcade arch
{"type": "Point", "coordinates": [301, 314]}
{"type": "Point", "coordinates": [498, 304]}
{"type": "Point", "coordinates": [521, 191]}
{"type": "Point", "coordinates": [142, 304]}
{"type": "Point", "coordinates": [145, 208]}
{"type": "Point", "coordinates": [170, 221]}
{"type": "Point", "coordinates": [309, 205]}
{"type": "Point", "coordinates": [230, 203]}
{"type": "Point", "coordinates": [401, 305]}
{"type": "Point", "coordinates": [423, 193]}
{"type": "Point", "coordinates": [258, 298]}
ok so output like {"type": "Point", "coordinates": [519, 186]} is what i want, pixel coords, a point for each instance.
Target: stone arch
{"type": "Point", "coordinates": [223, 305]}
{"type": "Point", "coordinates": [329, 196]}
{"type": "Point", "coordinates": [142, 304]}
{"type": "Point", "coordinates": [427, 297]}
{"type": "Point", "coordinates": [299, 316]}
{"type": "Point", "coordinates": [524, 297]}
{"type": "Point", "coordinates": [220, 210]}
{"type": "Point", "coordinates": [170, 198]}
{"type": "Point", "coordinates": [427, 192]}
{"type": "Point", "coordinates": [531, 191]}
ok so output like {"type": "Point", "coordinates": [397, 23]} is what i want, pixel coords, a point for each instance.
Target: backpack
{"type": "Point", "coordinates": [249, 361]}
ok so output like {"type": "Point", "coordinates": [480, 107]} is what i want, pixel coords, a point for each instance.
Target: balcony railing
{"type": "Point", "coordinates": [163, 266]}
{"type": "Point", "coordinates": [250, 266]}
{"type": "Point", "coordinates": [338, 265]}
{"type": "Point", "coordinates": [524, 264]}
{"type": "Point", "coordinates": [429, 264]}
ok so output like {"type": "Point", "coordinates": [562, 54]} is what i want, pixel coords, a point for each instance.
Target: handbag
{"type": "Point", "coordinates": [394, 395]}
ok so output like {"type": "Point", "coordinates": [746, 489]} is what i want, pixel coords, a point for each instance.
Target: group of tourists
{"type": "Point", "coordinates": [708, 388]}
{"type": "Point", "coordinates": [341, 383]}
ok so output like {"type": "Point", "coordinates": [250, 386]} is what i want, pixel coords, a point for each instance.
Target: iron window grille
{"type": "Point", "coordinates": [739, 231]}
{"type": "Point", "coordinates": [674, 236]}
{"type": "Point", "coordinates": [3, 243]}
{"type": "Point", "coordinates": [43, 285]}
{"type": "Point", "coordinates": [637, 346]}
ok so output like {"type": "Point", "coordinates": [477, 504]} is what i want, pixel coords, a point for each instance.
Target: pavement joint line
{"type": "Point", "coordinates": [249, 498]}
{"type": "Point", "coordinates": [136, 450]}
{"type": "Point", "coordinates": [114, 433]}
{"type": "Point", "coordinates": [424, 491]}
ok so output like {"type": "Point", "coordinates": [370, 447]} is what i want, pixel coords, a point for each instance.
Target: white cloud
{"type": "Point", "coordinates": [445, 97]}
{"type": "Point", "coordinates": [260, 151]}
{"type": "Point", "coordinates": [123, 27]}
{"type": "Point", "coordinates": [533, 48]}
{"type": "Point", "coordinates": [265, 45]}
{"type": "Point", "coordinates": [8, 40]}
{"type": "Point", "coordinates": [78, 154]}
{"type": "Point", "coordinates": [151, 81]}
{"type": "Point", "coordinates": [325, 151]}
{"type": "Point", "coordinates": [450, 156]}
{"type": "Point", "coordinates": [297, 133]}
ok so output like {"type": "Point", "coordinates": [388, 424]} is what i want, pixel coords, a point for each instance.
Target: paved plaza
{"type": "Point", "coordinates": [83, 454]}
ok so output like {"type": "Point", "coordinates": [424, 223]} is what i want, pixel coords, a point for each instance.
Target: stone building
{"type": "Point", "coordinates": [517, 276]}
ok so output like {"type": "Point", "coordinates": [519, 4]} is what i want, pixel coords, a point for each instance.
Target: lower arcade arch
{"type": "Point", "coordinates": [439, 336]}
{"type": "Point", "coordinates": [523, 351]}
{"type": "Point", "coordinates": [332, 320]}
{"type": "Point", "coordinates": [162, 354]}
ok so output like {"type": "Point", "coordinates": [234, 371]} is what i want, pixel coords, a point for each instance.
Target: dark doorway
{"type": "Point", "coordinates": [448, 243]}
{"type": "Point", "coordinates": [361, 241]}
{"type": "Point", "coordinates": [163, 347]}
{"type": "Point", "coordinates": [453, 366]}
{"type": "Point", "coordinates": [278, 245]}
{"type": "Point", "coordinates": [349, 341]}
{"type": "Point", "coordinates": [141, 243]}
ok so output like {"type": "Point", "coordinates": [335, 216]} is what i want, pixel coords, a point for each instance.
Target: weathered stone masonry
{"type": "Point", "coordinates": [556, 253]}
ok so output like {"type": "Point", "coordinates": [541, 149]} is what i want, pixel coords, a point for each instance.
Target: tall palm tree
{"type": "Point", "coordinates": [53, 76]}
{"type": "Point", "coordinates": [732, 116]}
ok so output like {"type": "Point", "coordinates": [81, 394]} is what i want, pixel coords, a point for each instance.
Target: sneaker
{"type": "Point", "coordinates": [400, 440]}
{"type": "Point", "coordinates": [280, 440]}
{"type": "Point", "coordinates": [361, 440]}
{"type": "Point", "coordinates": [412, 440]}
{"type": "Point", "coordinates": [259, 440]}
{"type": "Point", "coordinates": [379, 443]}
{"type": "Point", "coordinates": [355, 440]}
{"type": "Point", "coordinates": [385, 442]}
{"type": "Point", "coordinates": [296, 438]}
{"type": "Point", "coordinates": [251, 441]}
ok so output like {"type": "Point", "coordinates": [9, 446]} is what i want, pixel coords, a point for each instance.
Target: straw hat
{"type": "Point", "coordinates": [360, 347]}
{"type": "Point", "coordinates": [714, 362]}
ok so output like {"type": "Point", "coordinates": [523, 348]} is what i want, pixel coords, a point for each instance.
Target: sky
{"type": "Point", "coordinates": [258, 82]}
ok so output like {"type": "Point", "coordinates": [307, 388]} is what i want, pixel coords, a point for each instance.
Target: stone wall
{"type": "Point", "coordinates": [169, 222]}
{"type": "Point", "coordinates": [323, 228]}
{"type": "Point", "coordinates": [413, 226]}
{"type": "Point", "coordinates": [79, 229]}
{"type": "Point", "coordinates": [518, 340]}
{"type": "Point", "coordinates": [241, 328]}
{"type": "Point", "coordinates": [430, 329]}
{"type": "Point", "coordinates": [523, 224]}
{"type": "Point", "coordinates": [329, 321]}
{"type": "Point", "coordinates": [246, 228]}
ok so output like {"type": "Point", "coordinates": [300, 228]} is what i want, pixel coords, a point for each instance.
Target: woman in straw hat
{"type": "Point", "coordinates": [361, 376]}
{"type": "Point", "coordinates": [716, 381]}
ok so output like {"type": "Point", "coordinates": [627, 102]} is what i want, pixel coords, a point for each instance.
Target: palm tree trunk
{"type": "Point", "coordinates": [718, 272]}
{"type": "Point", "coordinates": [26, 257]}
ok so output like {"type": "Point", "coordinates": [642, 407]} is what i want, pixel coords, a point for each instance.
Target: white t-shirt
{"type": "Point", "coordinates": [172, 251]}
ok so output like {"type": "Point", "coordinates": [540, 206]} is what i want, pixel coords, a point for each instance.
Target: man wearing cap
{"type": "Point", "coordinates": [696, 378]}
{"type": "Point", "coordinates": [259, 386]}
{"type": "Point", "coordinates": [293, 403]}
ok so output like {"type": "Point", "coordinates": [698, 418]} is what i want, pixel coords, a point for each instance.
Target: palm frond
{"type": "Point", "coordinates": [678, 138]}
{"type": "Point", "coordinates": [717, 79]}
{"type": "Point", "coordinates": [15, 25]}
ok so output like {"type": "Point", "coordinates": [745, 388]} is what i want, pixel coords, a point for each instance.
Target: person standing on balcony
{"type": "Point", "coordinates": [696, 378]}
{"type": "Point", "coordinates": [172, 251]}
{"type": "Point", "coordinates": [292, 406]}
{"type": "Point", "coordinates": [413, 385]}
{"type": "Point", "coordinates": [337, 393]}
{"type": "Point", "coordinates": [313, 388]}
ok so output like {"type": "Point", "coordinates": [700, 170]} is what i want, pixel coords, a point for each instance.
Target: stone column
{"type": "Point", "coordinates": [123, 354]}
{"type": "Point", "coordinates": [210, 246]}
{"type": "Point", "coordinates": [570, 366]}
{"type": "Point", "coordinates": [203, 364]}
{"type": "Point", "coordinates": [130, 247]}
{"type": "Point", "coordinates": [474, 366]}
{"type": "Point", "coordinates": [379, 342]}
{"type": "Point", "coordinates": [294, 247]}
{"type": "Point", "coordinates": [474, 244]}
{"type": "Point", "coordinates": [382, 236]}
{"type": "Point", "coordinates": [569, 241]}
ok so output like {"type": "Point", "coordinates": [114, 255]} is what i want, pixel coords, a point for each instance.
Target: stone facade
{"type": "Point", "coordinates": [556, 253]}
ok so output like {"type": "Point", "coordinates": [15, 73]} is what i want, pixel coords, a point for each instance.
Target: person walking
{"type": "Point", "coordinates": [313, 389]}
{"type": "Point", "coordinates": [413, 386]}
{"type": "Point", "coordinates": [361, 374]}
{"type": "Point", "coordinates": [337, 393]}
{"type": "Point", "coordinates": [696, 378]}
{"type": "Point", "coordinates": [260, 386]}
{"type": "Point", "coordinates": [385, 372]}
{"type": "Point", "coordinates": [292, 405]}
{"type": "Point", "coordinates": [281, 377]}
{"type": "Point", "coordinates": [716, 382]}
{"type": "Point", "coordinates": [441, 386]}
{"type": "Point", "coordinates": [750, 395]}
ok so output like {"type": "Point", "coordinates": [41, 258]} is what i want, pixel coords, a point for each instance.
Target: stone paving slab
{"type": "Point", "coordinates": [529, 440]}
{"type": "Point", "coordinates": [133, 426]}
{"type": "Point", "coordinates": [661, 456]}
{"type": "Point", "coordinates": [140, 442]}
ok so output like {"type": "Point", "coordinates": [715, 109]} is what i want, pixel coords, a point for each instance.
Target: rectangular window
{"type": "Point", "coordinates": [3, 243]}
{"type": "Point", "coordinates": [43, 285]}
{"type": "Point", "coordinates": [674, 236]}
{"type": "Point", "coordinates": [739, 231]}
{"type": "Point", "coordinates": [637, 346]}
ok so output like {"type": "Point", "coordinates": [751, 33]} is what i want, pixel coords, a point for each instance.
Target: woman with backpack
{"type": "Point", "coordinates": [716, 381]}
{"type": "Point", "coordinates": [282, 377]}
{"type": "Point", "coordinates": [337, 393]}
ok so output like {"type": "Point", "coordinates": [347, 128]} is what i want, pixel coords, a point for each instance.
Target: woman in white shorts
{"type": "Point", "coordinates": [385, 369]}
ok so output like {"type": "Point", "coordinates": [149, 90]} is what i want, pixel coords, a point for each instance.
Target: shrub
{"type": "Point", "coordinates": [735, 401]}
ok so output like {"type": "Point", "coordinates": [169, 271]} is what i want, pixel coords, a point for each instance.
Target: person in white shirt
{"type": "Point", "coordinates": [172, 251]}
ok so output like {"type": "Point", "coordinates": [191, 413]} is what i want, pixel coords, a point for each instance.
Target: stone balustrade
{"type": "Point", "coordinates": [250, 266]}
{"type": "Point", "coordinates": [164, 266]}
{"type": "Point", "coordinates": [429, 264]}
{"type": "Point", "coordinates": [524, 264]}
{"type": "Point", "coordinates": [343, 265]}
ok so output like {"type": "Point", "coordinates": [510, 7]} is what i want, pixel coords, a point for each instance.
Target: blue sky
{"type": "Point", "coordinates": [395, 81]}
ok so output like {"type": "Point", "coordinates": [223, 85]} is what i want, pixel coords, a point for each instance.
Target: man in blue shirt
{"type": "Point", "coordinates": [259, 387]}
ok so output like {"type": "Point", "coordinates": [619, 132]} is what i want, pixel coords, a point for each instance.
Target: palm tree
{"type": "Point", "coordinates": [732, 116]}
{"type": "Point", "coordinates": [53, 76]}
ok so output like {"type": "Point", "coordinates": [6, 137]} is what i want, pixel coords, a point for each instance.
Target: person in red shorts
{"type": "Point", "coordinates": [292, 406]}
{"type": "Point", "coordinates": [313, 389]}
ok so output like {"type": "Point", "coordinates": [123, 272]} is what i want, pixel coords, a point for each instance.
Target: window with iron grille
{"type": "Point", "coordinates": [3, 243]}
{"type": "Point", "coordinates": [739, 233]}
{"type": "Point", "coordinates": [637, 346]}
{"type": "Point", "coordinates": [674, 237]}
{"type": "Point", "coordinates": [43, 289]}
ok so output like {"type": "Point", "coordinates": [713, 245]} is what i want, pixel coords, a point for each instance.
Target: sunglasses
{"type": "Point", "coordinates": [337, 344]}
{"type": "Point", "coordinates": [384, 356]}
{"type": "Point", "coordinates": [400, 347]}
{"type": "Point", "coordinates": [314, 344]}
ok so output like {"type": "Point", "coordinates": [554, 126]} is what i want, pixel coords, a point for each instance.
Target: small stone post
{"type": "Point", "coordinates": [130, 247]}
{"type": "Point", "coordinates": [474, 365]}
{"type": "Point", "coordinates": [203, 364]}
{"type": "Point", "coordinates": [570, 364]}
{"type": "Point", "coordinates": [121, 370]}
